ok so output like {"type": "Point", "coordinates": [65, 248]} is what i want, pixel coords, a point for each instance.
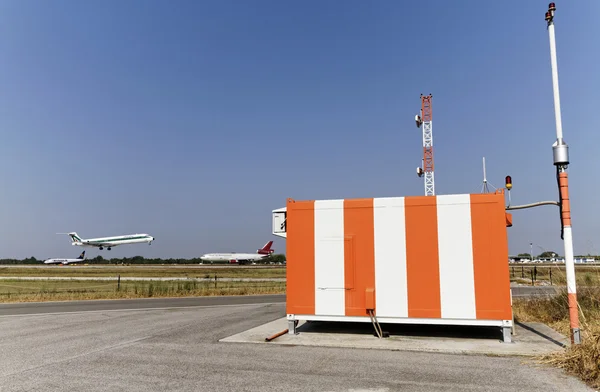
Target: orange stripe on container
{"type": "Point", "coordinates": [490, 255]}
{"type": "Point", "coordinates": [300, 249]}
{"type": "Point", "coordinates": [422, 260]}
{"type": "Point", "coordinates": [359, 254]}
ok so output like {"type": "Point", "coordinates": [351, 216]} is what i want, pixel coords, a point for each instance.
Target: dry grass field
{"type": "Point", "coordinates": [150, 271]}
{"type": "Point", "coordinates": [581, 360]}
{"type": "Point", "coordinates": [64, 290]}
{"type": "Point", "coordinates": [553, 274]}
{"type": "Point", "coordinates": [14, 290]}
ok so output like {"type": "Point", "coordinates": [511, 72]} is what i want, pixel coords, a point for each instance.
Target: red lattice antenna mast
{"type": "Point", "coordinates": [425, 120]}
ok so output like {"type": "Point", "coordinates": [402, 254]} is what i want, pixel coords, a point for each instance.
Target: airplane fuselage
{"type": "Point", "coordinates": [63, 261]}
{"type": "Point", "coordinates": [109, 242]}
{"type": "Point", "coordinates": [240, 258]}
{"type": "Point", "coordinates": [67, 261]}
{"type": "Point", "coordinates": [232, 257]}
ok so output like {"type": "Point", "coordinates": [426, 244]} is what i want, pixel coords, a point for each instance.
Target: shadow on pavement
{"type": "Point", "coordinates": [413, 330]}
{"type": "Point", "coordinates": [541, 334]}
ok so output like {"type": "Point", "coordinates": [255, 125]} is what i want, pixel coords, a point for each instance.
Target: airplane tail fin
{"type": "Point", "coordinates": [74, 237]}
{"type": "Point", "coordinates": [266, 250]}
{"type": "Point", "coordinates": [82, 255]}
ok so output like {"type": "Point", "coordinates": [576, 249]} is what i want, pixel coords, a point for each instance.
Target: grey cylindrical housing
{"type": "Point", "coordinates": [560, 150]}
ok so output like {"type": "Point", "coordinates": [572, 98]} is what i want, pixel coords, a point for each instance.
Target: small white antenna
{"type": "Point", "coordinates": [484, 188]}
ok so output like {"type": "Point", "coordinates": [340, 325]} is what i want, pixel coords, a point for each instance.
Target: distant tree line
{"type": "Point", "coordinates": [274, 258]}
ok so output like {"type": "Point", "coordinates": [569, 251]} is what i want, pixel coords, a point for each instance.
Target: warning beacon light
{"type": "Point", "coordinates": [508, 182]}
{"type": "Point", "coordinates": [550, 13]}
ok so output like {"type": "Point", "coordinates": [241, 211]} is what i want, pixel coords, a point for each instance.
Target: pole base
{"type": "Point", "coordinates": [575, 336]}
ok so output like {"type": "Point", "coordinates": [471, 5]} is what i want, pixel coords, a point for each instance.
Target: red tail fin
{"type": "Point", "coordinates": [266, 250]}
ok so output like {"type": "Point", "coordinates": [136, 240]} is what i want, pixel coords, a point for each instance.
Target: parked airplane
{"type": "Point", "coordinates": [66, 261]}
{"type": "Point", "coordinates": [240, 258]}
{"type": "Point", "coordinates": [110, 242]}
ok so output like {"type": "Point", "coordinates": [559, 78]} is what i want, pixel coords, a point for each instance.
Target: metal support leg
{"type": "Point", "coordinates": [506, 334]}
{"type": "Point", "coordinates": [576, 336]}
{"type": "Point", "coordinates": [292, 327]}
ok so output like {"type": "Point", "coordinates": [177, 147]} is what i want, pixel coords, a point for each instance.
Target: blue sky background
{"type": "Point", "coordinates": [192, 120]}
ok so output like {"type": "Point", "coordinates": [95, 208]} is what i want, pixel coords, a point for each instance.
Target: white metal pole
{"type": "Point", "coordinates": [484, 176]}
{"type": "Point", "coordinates": [485, 187]}
{"type": "Point", "coordinates": [561, 161]}
{"type": "Point", "coordinates": [554, 65]}
{"type": "Point", "coordinates": [531, 251]}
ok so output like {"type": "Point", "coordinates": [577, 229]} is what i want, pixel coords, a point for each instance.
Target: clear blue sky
{"type": "Point", "coordinates": [192, 120]}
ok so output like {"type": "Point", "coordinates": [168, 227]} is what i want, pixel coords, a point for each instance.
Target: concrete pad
{"type": "Point", "coordinates": [530, 339]}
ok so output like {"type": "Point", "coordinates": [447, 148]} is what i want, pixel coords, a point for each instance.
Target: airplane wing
{"type": "Point", "coordinates": [97, 244]}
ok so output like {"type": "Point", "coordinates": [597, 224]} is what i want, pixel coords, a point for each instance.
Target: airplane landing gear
{"type": "Point", "coordinates": [108, 248]}
{"type": "Point", "coordinates": [101, 248]}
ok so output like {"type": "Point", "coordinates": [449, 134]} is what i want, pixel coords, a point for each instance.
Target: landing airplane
{"type": "Point", "coordinates": [110, 242]}
{"type": "Point", "coordinates": [240, 258]}
{"type": "Point", "coordinates": [66, 261]}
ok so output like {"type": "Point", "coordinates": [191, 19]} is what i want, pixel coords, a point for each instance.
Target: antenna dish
{"type": "Point", "coordinates": [418, 121]}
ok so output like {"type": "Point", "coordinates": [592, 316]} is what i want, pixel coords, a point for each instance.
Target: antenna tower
{"type": "Point", "coordinates": [484, 188]}
{"type": "Point", "coordinates": [424, 120]}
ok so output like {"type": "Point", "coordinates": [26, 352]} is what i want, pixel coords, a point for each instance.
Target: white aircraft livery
{"type": "Point", "coordinates": [66, 261]}
{"type": "Point", "coordinates": [240, 258]}
{"type": "Point", "coordinates": [110, 242]}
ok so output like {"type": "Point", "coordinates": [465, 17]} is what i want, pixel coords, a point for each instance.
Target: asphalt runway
{"type": "Point", "coordinates": [177, 349]}
{"type": "Point", "coordinates": [534, 291]}
{"type": "Point", "coordinates": [31, 308]}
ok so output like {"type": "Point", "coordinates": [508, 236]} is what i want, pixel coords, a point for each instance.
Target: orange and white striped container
{"type": "Point", "coordinates": [422, 259]}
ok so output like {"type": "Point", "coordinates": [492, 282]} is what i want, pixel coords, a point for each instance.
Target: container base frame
{"type": "Point", "coordinates": [504, 325]}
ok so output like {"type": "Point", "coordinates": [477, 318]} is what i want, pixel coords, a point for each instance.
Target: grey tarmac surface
{"type": "Point", "coordinates": [23, 308]}
{"type": "Point", "coordinates": [179, 350]}
{"type": "Point", "coordinates": [534, 291]}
